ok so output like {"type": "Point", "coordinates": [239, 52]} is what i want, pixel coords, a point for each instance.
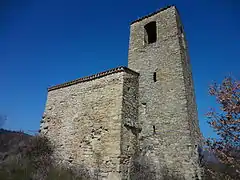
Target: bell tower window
{"type": "Point", "coordinates": [150, 34]}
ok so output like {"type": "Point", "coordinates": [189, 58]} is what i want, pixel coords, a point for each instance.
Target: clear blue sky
{"type": "Point", "coordinates": [47, 42]}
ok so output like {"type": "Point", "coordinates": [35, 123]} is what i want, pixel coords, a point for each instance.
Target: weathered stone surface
{"type": "Point", "coordinates": [86, 122]}
{"type": "Point", "coordinates": [167, 109]}
{"type": "Point", "coordinates": [111, 121]}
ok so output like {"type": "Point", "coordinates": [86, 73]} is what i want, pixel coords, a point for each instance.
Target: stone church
{"type": "Point", "coordinates": [143, 115]}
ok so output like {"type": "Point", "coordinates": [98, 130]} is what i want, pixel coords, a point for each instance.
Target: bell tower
{"type": "Point", "coordinates": [167, 116]}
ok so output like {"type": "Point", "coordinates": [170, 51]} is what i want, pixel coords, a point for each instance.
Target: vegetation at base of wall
{"type": "Point", "coordinates": [30, 159]}
{"type": "Point", "coordinates": [14, 171]}
{"type": "Point", "coordinates": [25, 157]}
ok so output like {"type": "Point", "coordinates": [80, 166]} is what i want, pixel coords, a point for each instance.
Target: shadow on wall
{"type": "Point", "coordinates": [143, 168]}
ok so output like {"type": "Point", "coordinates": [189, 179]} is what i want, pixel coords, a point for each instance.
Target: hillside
{"type": "Point", "coordinates": [11, 141]}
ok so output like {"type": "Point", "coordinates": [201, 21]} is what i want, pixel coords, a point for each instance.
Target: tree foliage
{"type": "Point", "coordinates": [225, 121]}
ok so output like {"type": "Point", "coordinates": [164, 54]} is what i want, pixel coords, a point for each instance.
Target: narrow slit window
{"type": "Point", "coordinates": [150, 32]}
{"type": "Point", "coordinates": [154, 130]}
{"type": "Point", "coordinates": [144, 108]}
{"type": "Point", "coordinates": [154, 76]}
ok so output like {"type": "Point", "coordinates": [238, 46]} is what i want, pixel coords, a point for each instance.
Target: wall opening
{"type": "Point", "coordinates": [144, 108]}
{"type": "Point", "coordinates": [154, 76]}
{"type": "Point", "coordinates": [150, 35]}
{"type": "Point", "coordinates": [154, 130]}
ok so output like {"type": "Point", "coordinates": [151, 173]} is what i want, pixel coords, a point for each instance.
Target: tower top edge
{"type": "Point", "coordinates": [153, 13]}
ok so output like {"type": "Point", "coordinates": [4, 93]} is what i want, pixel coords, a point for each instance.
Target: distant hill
{"type": "Point", "coordinates": [10, 141]}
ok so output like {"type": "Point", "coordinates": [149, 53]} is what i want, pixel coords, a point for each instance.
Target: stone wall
{"type": "Point", "coordinates": [190, 91]}
{"type": "Point", "coordinates": [167, 109]}
{"type": "Point", "coordinates": [195, 133]}
{"type": "Point", "coordinates": [89, 123]}
{"type": "Point", "coordinates": [130, 127]}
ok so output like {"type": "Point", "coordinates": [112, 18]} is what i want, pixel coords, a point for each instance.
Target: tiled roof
{"type": "Point", "coordinates": [95, 76]}
{"type": "Point", "coordinates": [162, 9]}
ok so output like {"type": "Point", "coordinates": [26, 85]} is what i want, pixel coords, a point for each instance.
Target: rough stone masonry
{"type": "Point", "coordinates": [136, 122]}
